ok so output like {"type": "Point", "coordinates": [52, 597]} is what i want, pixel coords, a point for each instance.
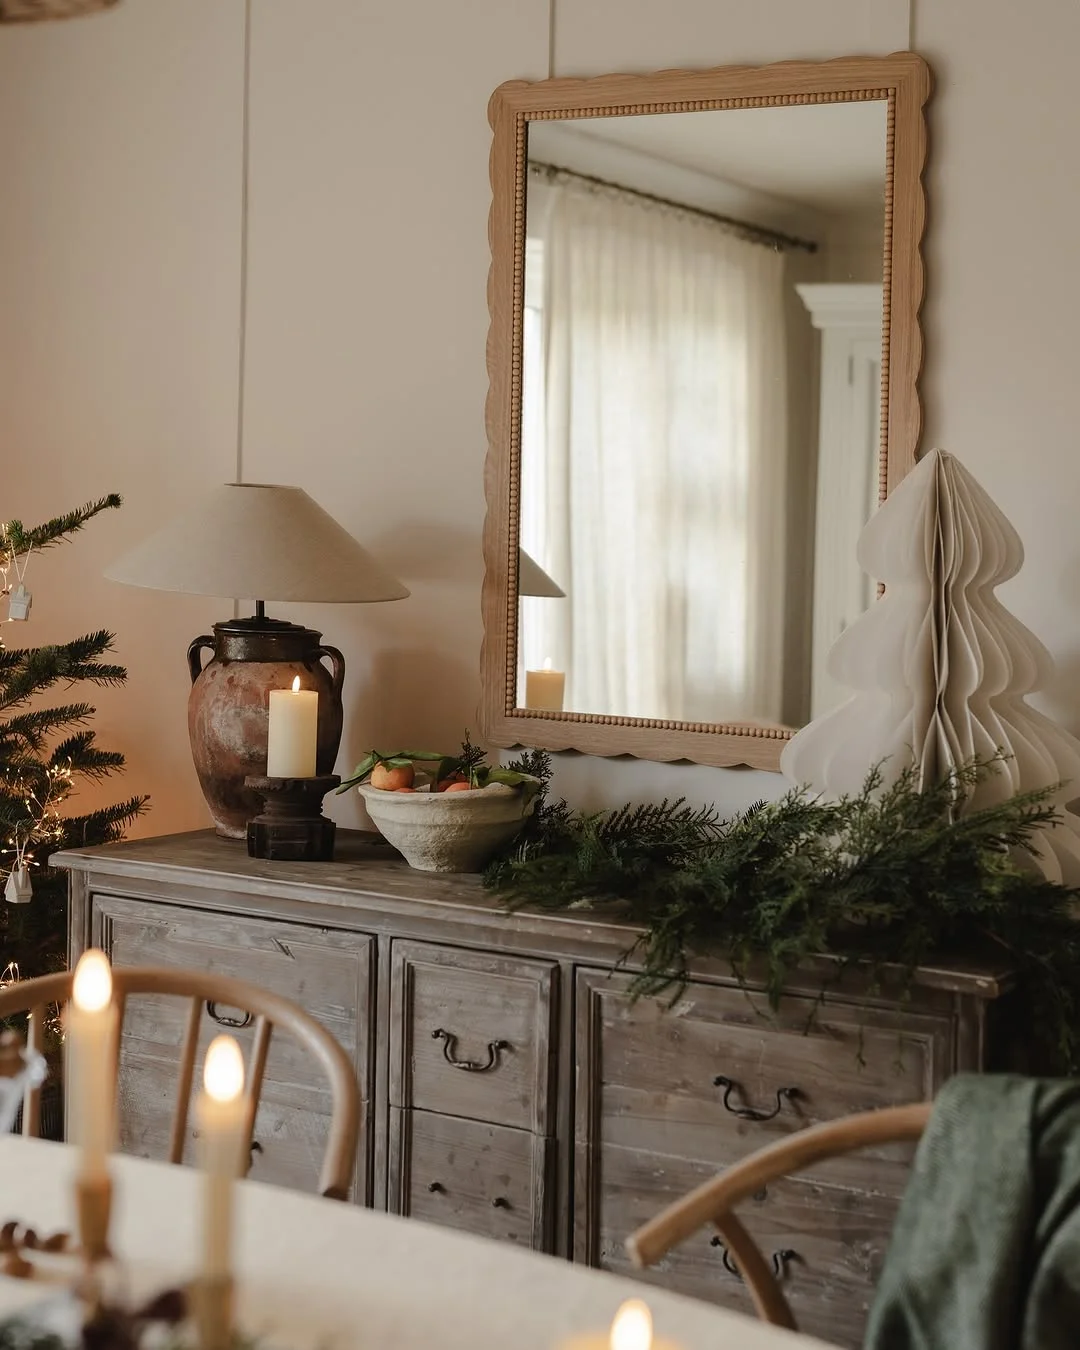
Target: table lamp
{"type": "Point", "coordinates": [256, 541]}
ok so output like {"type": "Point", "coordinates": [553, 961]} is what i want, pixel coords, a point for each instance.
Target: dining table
{"type": "Point", "coordinates": [316, 1274]}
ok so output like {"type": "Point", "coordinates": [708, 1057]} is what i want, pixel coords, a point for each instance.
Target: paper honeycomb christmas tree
{"type": "Point", "coordinates": [939, 666]}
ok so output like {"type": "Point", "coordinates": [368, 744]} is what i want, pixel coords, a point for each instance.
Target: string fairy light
{"type": "Point", "coordinates": [43, 823]}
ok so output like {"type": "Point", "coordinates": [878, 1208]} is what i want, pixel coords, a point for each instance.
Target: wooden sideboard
{"type": "Point", "coordinates": [511, 1086]}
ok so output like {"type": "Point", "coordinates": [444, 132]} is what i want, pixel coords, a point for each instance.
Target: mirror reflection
{"type": "Point", "coordinates": [700, 408]}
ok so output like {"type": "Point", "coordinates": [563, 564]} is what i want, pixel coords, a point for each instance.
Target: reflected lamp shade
{"type": "Point", "coordinates": [255, 541]}
{"type": "Point", "coordinates": [533, 580]}
{"type": "Point", "coordinates": [30, 11]}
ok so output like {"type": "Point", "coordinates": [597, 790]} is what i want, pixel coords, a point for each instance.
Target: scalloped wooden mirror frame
{"type": "Point", "coordinates": [903, 80]}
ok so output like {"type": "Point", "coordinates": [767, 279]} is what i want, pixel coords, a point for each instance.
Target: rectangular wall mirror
{"type": "Point", "coordinates": [703, 357]}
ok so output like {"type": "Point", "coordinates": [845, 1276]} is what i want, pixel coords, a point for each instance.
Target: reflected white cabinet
{"type": "Point", "coordinates": [849, 318]}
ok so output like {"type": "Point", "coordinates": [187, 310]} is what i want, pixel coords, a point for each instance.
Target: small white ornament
{"type": "Point", "coordinates": [19, 890]}
{"type": "Point", "coordinates": [19, 603]}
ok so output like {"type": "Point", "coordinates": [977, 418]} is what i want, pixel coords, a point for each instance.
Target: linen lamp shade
{"type": "Point", "coordinates": [257, 541]}
{"type": "Point", "coordinates": [533, 580]}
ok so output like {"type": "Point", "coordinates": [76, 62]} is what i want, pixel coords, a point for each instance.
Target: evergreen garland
{"type": "Point", "coordinates": [891, 878]}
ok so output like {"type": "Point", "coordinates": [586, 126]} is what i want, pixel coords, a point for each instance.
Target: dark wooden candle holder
{"type": "Point", "coordinates": [291, 826]}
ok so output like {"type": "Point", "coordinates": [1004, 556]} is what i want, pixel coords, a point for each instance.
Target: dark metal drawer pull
{"type": "Point", "coordinates": [501, 1202]}
{"type": "Point", "coordinates": [779, 1259]}
{"type": "Point", "coordinates": [785, 1094]}
{"type": "Point", "coordinates": [223, 1020]}
{"type": "Point", "coordinates": [436, 1187]}
{"type": "Point", "coordinates": [449, 1041]}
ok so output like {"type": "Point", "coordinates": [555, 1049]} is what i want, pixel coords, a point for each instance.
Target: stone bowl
{"type": "Point", "coordinates": [448, 831]}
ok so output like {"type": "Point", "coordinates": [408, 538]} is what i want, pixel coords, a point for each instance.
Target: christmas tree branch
{"type": "Point", "coordinates": [103, 826]}
{"type": "Point", "coordinates": [32, 729]}
{"type": "Point", "coordinates": [27, 672]}
{"type": "Point", "coordinates": [80, 754]}
{"type": "Point", "coordinates": [15, 538]}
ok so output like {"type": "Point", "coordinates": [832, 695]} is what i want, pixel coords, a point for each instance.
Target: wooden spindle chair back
{"type": "Point", "coordinates": [713, 1201]}
{"type": "Point", "coordinates": [37, 996]}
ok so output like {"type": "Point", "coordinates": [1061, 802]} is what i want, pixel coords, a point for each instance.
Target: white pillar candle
{"type": "Point", "coordinates": [220, 1114]}
{"type": "Point", "coordinates": [632, 1329]}
{"type": "Point", "coordinates": [292, 736]}
{"type": "Point", "coordinates": [544, 689]}
{"type": "Point", "coordinates": [90, 1042]}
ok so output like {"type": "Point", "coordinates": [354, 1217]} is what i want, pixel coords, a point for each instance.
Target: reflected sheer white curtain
{"type": "Point", "coordinates": [653, 459]}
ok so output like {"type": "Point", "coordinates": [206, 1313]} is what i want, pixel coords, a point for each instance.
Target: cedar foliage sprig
{"type": "Point", "coordinates": [892, 877]}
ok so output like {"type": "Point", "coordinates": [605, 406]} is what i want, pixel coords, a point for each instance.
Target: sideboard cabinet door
{"type": "Point", "coordinates": [484, 1179]}
{"type": "Point", "coordinates": [472, 1090]}
{"type": "Point", "coordinates": [668, 1096]}
{"type": "Point", "coordinates": [327, 972]}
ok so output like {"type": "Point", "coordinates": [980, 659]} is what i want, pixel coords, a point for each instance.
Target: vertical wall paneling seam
{"type": "Point", "coordinates": [911, 25]}
{"type": "Point", "coordinates": [245, 174]}
{"type": "Point", "coordinates": [551, 39]}
{"type": "Point", "coordinates": [245, 177]}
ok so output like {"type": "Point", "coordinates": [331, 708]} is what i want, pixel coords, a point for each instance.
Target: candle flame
{"type": "Point", "coordinates": [547, 662]}
{"type": "Point", "coordinates": [223, 1072]}
{"type": "Point", "coordinates": [632, 1327]}
{"type": "Point", "coordinates": [296, 684]}
{"type": "Point", "coordinates": [92, 987]}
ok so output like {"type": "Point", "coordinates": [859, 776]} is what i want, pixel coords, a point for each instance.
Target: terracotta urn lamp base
{"type": "Point", "coordinates": [228, 707]}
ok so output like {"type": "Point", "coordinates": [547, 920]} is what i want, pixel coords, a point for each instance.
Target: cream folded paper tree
{"type": "Point", "coordinates": [940, 667]}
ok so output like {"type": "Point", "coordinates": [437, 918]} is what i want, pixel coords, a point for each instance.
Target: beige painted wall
{"type": "Point", "coordinates": [120, 282]}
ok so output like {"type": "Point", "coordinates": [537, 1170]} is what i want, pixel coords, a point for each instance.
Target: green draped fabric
{"type": "Point", "coordinates": [986, 1250]}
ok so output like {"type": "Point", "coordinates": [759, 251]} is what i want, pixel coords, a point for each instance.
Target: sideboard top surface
{"type": "Point", "coordinates": [366, 874]}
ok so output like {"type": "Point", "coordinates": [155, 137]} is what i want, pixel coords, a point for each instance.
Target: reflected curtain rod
{"type": "Point", "coordinates": [758, 234]}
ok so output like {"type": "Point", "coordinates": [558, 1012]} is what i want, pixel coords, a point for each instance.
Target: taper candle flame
{"type": "Point", "coordinates": [91, 989]}
{"type": "Point", "coordinates": [223, 1072]}
{"type": "Point", "coordinates": [632, 1327]}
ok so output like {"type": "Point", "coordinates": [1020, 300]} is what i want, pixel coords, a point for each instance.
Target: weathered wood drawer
{"type": "Point", "coordinates": [328, 972]}
{"type": "Point", "coordinates": [718, 1075]}
{"type": "Point", "coordinates": [472, 1034]}
{"type": "Point", "coordinates": [829, 1242]}
{"type": "Point", "coordinates": [484, 1179]}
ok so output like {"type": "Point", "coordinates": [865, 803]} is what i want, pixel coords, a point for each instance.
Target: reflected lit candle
{"type": "Point", "coordinates": [544, 689]}
{"type": "Point", "coordinates": [90, 1041]}
{"type": "Point", "coordinates": [632, 1329]}
{"type": "Point", "coordinates": [293, 732]}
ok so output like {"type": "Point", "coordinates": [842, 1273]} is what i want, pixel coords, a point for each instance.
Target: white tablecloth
{"type": "Point", "coordinates": [316, 1272]}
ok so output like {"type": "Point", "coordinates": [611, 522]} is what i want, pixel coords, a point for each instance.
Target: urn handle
{"type": "Point", "coordinates": [337, 665]}
{"type": "Point", "coordinates": [194, 659]}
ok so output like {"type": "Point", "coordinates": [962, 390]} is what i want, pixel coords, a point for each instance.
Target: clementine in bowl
{"type": "Point", "coordinates": [391, 778]}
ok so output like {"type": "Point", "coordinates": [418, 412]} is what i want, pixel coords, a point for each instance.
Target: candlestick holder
{"type": "Point", "coordinates": [212, 1298]}
{"type": "Point", "coordinates": [93, 1202]}
{"type": "Point", "coordinates": [291, 826]}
